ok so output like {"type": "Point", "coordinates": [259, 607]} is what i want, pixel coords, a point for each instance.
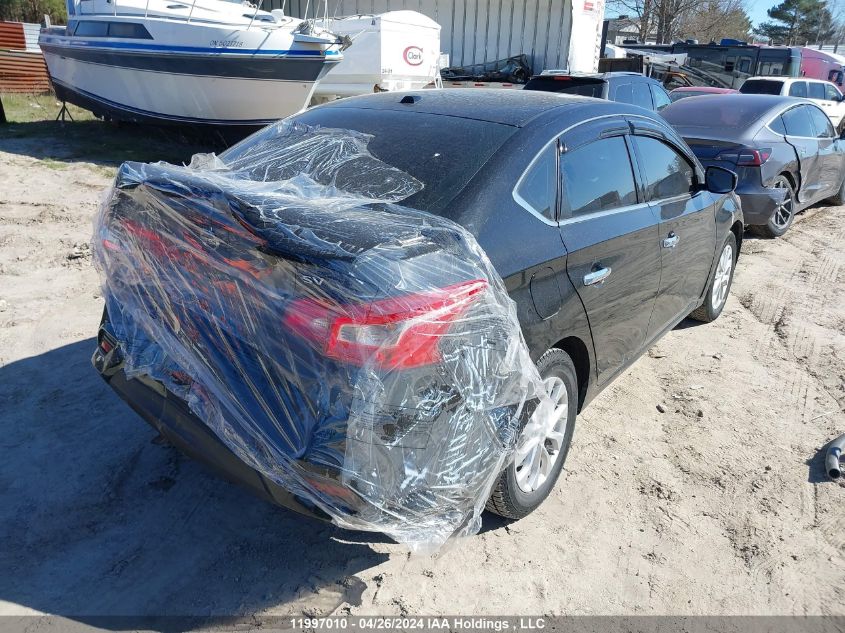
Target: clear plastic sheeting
{"type": "Point", "coordinates": [363, 355]}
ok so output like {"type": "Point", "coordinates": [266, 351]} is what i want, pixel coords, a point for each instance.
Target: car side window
{"type": "Point", "coordinates": [777, 126]}
{"type": "Point", "coordinates": [831, 93]}
{"type": "Point", "coordinates": [821, 124]}
{"type": "Point", "coordinates": [797, 122]}
{"type": "Point", "coordinates": [597, 177]}
{"type": "Point", "coordinates": [798, 89]}
{"type": "Point", "coordinates": [661, 99]}
{"type": "Point", "coordinates": [816, 90]}
{"type": "Point", "coordinates": [624, 93]}
{"type": "Point", "coordinates": [537, 189]}
{"type": "Point", "coordinates": [667, 173]}
{"type": "Point", "coordinates": [642, 95]}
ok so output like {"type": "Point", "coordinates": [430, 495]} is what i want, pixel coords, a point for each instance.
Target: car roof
{"type": "Point", "coordinates": [508, 107]}
{"type": "Point", "coordinates": [607, 75]}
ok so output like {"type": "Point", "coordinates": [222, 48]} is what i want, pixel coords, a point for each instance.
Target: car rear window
{"type": "Point", "coordinates": [442, 152]}
{"type": "Point", "coordinates": [716, 111]}
{"type": "Point", "coordinates": [583, 86]}
{"type": "Point", "coordinates": [761, 87]}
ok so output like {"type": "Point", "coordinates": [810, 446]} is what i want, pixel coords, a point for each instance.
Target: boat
{"type": "Point", "coordinates": [187, 61]}
{"type": "Point", "coordinates": [394, 50]}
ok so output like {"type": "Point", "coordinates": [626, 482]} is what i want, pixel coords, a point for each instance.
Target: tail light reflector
{"type": "Point", "coordinates": [747, 157]}
{"type": "Point", "coordinates": [397, 333]}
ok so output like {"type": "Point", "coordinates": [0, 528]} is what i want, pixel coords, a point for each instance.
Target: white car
{"type": "Point", "coordinates": [823, 93]}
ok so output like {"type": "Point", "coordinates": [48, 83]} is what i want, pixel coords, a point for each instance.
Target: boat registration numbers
{"type": "Point", "coordinates": [226, 43]}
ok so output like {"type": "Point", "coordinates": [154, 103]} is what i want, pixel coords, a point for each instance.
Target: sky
{"type": "Point", "coordinates": [757, 10]}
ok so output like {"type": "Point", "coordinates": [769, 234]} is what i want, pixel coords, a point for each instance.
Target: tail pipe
{"type": "Point", "coordinates": [831, 462]}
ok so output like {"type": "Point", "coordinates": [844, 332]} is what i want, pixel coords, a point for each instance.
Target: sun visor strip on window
{"type": "Point", "coordinates": [362, 355]}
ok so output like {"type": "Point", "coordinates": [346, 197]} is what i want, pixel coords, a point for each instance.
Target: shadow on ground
{"type": "Point", "coordinates": [109, 144]}
{"type": "Point", "coordinates": [99, 521]}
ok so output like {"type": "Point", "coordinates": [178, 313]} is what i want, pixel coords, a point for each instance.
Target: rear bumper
{"type": "Point", "coordinates": [170, 416]}
{"type": "Point", "coordinates": [758, 203]}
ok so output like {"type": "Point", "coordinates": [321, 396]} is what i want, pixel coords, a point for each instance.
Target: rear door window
{"type": "Point", "coordinates": [537, 189]}
{"type": "Point", "coordinates": [798, 89]}
{"type": "Point", "coordinates": [821, 124]}
{"type": "Point", "coordinates": [597, 177]}
{"type": "Point", "coordinates": [624, 93]}
{"type": "Point", "coordinates": [661, 99]}
{"type": "Point", "coordinates": [798, 123]}
{"type": "Point", "coordinates": [642, 95]}
{"type": "Point", "coordinates": [816, 90]}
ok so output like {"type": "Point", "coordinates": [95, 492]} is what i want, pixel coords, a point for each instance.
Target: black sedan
{"type": "Point", "coordinates": [604, 227]}
{"type": "Point", "coordinates": [784, 150]}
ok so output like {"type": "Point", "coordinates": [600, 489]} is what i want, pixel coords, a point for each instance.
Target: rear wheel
{"type": "Point", "coordinates": [784, 213]}
{"type": "Point", "coordinates": [544, 444]}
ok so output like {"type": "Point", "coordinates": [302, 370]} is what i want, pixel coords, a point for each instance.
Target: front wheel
{"type": "Point", "coordinates": [544, 444]}
{"type": "Point", "coordinates": [720, 284]}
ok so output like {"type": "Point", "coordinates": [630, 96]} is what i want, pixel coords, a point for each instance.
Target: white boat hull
{"type": "Point", "coordinates": [128, 93]}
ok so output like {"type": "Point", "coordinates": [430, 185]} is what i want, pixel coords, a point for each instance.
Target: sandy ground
{"type": "Point", "coordinates": [717, 506]}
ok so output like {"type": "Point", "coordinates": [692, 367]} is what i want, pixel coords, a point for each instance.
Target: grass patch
{"type": "Point", "coordinates": [33, 130]}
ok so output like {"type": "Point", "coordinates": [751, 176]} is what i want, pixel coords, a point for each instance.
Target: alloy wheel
{"type": "Point", "coordinates": [722, 278]}
{"type": "Point", "coordinates": [784, 210]}
{"type": "Point", "coordinates": [542, 440]}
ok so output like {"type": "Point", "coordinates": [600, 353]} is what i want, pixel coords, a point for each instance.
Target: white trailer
{"type": "Point", "coordinates": [396, 50]}
{"type": "Point", "coordinates": [552, 33]}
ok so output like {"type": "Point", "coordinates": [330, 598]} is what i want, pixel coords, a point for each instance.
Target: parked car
{"type": "Point", "coordinates": [623, 87]}
{"type": "Point", "coordinates": [603, 225]}
{"type": "Point", "coordinates": [784, 150]}
{"type": "Point", "coordinates": [698, 91]}
{"type": "Point", "coordinates": [823, 93]}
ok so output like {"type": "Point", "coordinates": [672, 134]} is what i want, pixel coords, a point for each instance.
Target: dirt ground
{"type": "Point", "coordinates": [719, 505]}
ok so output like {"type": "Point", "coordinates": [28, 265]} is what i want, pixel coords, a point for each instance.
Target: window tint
{"type": "Point", "coordinates": [624, 93]}
{"type": "Point", "coordinates": [661, 98]}
{"type": "Point", "coordinates": [798, 89]}
{"type": "Point", "coordinates": [642, 96]}
{"type": "Point", "coordinates": [667, 173]}
{"type": "Point", "coordinates": [597, 177]}
{"type": "Point", "coordinates": [538, 189]}
{"type": "Point", "coordinates": [129, 29]}
{"type": "Point", "coordinates": [761, 87]}
{"type": "Point", "coordinates": [831, 93]}
{"type": "Point", "coordinates": [777, 126]}
{"type": "Point", "coordinates": [798, 123]}
{"type": "Point", "coordinates": [584, 86]}
{"type": "Point", "coordinates": [821, 124]}
{"type": "Point", "coordinates": [816, 90]}
{"type": "Point", "coordinates": [89, 28]}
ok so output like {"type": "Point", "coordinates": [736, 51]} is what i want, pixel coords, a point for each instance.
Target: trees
{"type": "Point", "coordinates": [798, 22]}
{"type": "Point", "coordinates": [33, 10]}
{"type": "Point", "coordinates": [668, 20]}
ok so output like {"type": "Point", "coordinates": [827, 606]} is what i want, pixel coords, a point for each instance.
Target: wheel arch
{"type": "Point", "coordinates": [580, 355]}
{"type": "Point", "coordinates": [737, 229]}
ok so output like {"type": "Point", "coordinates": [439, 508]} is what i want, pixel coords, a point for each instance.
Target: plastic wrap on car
{"type": "Point", "coordinates": [363, 355]}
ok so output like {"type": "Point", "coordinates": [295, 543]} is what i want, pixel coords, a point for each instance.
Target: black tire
{"type": "Point", "coordinates": [508, 499]}
{"type": "Point", "coordinates": [784, 214]}
{"type": "Point", "coordinates": [707, 312]}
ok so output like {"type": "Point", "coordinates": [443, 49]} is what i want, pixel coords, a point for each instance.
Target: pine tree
{"type": "Point", "coordinates": [798, 22]}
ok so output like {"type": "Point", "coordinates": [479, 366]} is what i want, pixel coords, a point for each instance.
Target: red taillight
{"type": "Point", "coordinates": [747, 157]}
{"type": "Point", "coordinates": [562, 78]}
{"type": "Point", "coordinates": [396, 333]}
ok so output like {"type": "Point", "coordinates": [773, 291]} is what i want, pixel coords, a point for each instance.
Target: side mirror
{"type": "Point", "coordinates": [719, 180]}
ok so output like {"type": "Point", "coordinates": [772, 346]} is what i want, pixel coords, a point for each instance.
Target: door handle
{"type": "Point", "coordinates": [671, 241]}
{"type": "Point", "coordinates": [597, 276]}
